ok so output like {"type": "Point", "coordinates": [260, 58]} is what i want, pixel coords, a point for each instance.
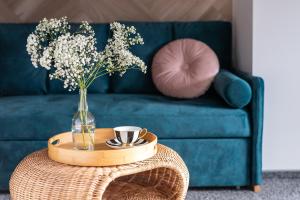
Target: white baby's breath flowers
{"type": "Point", "coordinates": [46, 31]}
{"type": "Point", "coordinates": [33, 48]}
{"type": "Point", "coordinates": [116, 52]}
{"type": "Point", "coordinates": [74, 57]}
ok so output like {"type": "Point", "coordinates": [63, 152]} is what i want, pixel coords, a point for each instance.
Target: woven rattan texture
{"type": "Point", "coordinates": [164, 176]}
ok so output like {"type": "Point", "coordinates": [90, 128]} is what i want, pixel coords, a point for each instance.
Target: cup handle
{"type": "Point", "coordinates": [144, 131]}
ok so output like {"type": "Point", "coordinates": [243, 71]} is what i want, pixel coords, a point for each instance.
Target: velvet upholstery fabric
{"type": "Point", "coordinates": [234, 90]}
{"type": "Point", "coordinates": [257, 116]}
{"type": "Point", "coordinates": [217, 35]}
{"type": "Point", "coordinates": [43, 116]}
{"type": "Point", "coordinates": [17, 74]}
{"type": "Point", "coordinates": [184, 68]}
{"type": "Point", "coordinates": [215, 162]}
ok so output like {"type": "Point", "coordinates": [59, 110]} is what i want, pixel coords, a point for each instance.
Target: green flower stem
{"type": "Point", "coordinates": [95, 71]}
{"type": "Point", "coordinates": [95, 77]}
{"type": "Point", "coordinates": [83, 110]}
{"type": "Point", "coordinates": [92, 74]}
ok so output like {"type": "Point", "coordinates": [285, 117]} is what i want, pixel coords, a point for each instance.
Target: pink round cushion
{"type": "Point", "coordinates": [184, 68]}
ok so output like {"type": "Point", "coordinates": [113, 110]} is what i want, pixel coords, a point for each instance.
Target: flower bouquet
{"type": "Point", "coordinates": [73, 58]}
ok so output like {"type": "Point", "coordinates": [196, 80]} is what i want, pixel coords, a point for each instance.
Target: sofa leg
{"type": "Point", "coordinates": [256, 188]}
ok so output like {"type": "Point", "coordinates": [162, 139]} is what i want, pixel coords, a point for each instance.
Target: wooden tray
{"type": "Point", "coordinates": [60, 149]}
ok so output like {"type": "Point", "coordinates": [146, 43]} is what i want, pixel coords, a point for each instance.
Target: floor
{"type": "Point", "coordinates": [277, 186]}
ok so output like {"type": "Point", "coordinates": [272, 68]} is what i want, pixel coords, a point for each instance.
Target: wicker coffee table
{"type": "Point", "coordinates": [164, 176]}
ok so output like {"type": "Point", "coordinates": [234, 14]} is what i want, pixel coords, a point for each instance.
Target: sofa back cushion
{"type": "Point", "coordinates": [217, 35]}
{"type": "Point", "coordinates": [17, 74]}
{"type": "Point", "coordinates": [19, 77]}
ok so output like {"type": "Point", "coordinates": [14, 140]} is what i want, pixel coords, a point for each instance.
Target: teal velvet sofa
{"type": "Point", "coordinates": [221, 145]}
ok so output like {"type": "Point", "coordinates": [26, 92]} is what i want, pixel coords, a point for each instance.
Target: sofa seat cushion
{"type": "Point", "coordinates": [40, 117]}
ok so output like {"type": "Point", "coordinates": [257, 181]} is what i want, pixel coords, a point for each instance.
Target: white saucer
{"type": "Point", "coordinates": [115, 144]}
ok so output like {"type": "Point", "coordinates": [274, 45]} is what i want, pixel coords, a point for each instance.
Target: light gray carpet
{"type": "Point", "coordinates": [4, 196]}
{"type": "Point", "coordinates": [277, 186]}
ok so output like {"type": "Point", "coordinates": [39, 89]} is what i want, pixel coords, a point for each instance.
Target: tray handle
{"type": "Point", "coordinates": [59, 139]}
{"type": "Point", "coordinates": [55, 142]}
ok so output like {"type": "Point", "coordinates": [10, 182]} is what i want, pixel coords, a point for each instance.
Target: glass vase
{"type": "Point", "coordinates": [83, 125]}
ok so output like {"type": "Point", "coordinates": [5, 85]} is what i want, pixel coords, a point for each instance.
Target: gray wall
{"type": "Point", "coordinates": [268, 41]}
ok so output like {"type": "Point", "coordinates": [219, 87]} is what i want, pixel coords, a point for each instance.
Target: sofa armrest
{"type": "Point", "coordinates": [257, 114]}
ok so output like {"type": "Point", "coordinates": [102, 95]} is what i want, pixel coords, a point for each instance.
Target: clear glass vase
{"type": "Point", "coordinates": [83, 125]}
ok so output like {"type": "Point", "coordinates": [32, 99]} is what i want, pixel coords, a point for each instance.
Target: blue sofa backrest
{"type": "Point", "coordinates": [19, 77]}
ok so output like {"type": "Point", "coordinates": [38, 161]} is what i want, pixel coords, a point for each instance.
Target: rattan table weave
{"type": "Point", "coordinates": [164, 176]}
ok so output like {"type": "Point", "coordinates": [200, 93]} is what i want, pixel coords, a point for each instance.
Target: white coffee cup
{"type": "Point", "coordinates": [127, 135]}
